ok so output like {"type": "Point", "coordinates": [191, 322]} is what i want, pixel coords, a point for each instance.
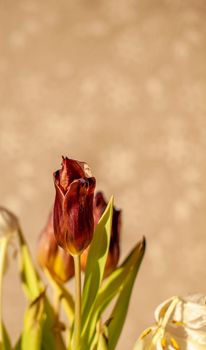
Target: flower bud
{"type": "Point", "coordinates": [114, 249]}
{"type": "Point", "coordinates": [180, 325]}
{"type": "Point", "coordinates": [9, 223]}
{"type": "Point", "coordinates": [73, 207]}
{"type": "Point", "coordinates": [59, 263]}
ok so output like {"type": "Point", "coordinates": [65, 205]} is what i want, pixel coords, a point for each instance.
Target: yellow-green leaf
{"type": "Point", "coordinates": [64, 296]}
{"type": "Point", "coordinates": [120, 309]}
{"type": "Point", "coordinates": [96, 261]}
{"type": "Point", "coordinates": [113, 286]}
{"type": "Point", "coordinates": [4, 338]}
{"type": "Point", "coordinates": [103, 342]}
{"type": "Point", "coordinates": [29, 277]}
{"type": "Point", "coordinates": [33, 287]}
{"type": "Point", "coordinates": [33, 321]}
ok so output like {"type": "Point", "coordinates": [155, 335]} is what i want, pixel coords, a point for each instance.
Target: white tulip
{"type": "Point", "coordinates": [180, 325]}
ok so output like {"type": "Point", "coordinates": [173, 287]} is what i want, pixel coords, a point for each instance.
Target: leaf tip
{"type": "Point", "coordinates": [143, 244]}
{"type": "Point", "coordinates": [111, 200]}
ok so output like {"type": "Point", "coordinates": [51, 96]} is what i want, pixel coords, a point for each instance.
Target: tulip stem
{"type": "Point", "coordinates": [77, 319]}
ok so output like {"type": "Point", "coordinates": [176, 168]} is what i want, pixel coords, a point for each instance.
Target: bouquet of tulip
{"type": "Point", "coordinates": [82, 235]}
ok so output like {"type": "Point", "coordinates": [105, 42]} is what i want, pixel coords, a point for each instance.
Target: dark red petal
{"type": "Point", "coordinates": [58, 217]}
{"type": "Point", "coordinates": [99, 207]}
{"type": "Point", "coordinates": [99, 200]}
{"type": "Point", "coordinates": [73, 207]}
{"type": "Point", "coordinates": [116, 227]}
{"type": "Point", "coordinates": [78, 214]}
{"type": "Point", "coordinates": [91, 185]}
{"type": "Point", "coordinates": [71, 170]}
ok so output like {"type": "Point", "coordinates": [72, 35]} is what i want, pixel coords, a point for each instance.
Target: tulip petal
{"type": "Point", "coordinates": [181, 325]}
{"type": "Point", "coordinates": [52, 257]}
{"type": "Point", "coordinates": [73, 207]}
{"type": "Point", "coordinates": [71, 170]}
{"type": "Point", "coordinates": [78, 223]}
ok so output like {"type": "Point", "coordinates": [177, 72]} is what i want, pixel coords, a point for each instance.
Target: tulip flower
{"type": "Point", "coordinates": [180, 325]}
{"type": "Point", "coordinates": [52, 257]}
{"type": "Point", "coordinates": [114, 250]}
{"type": "Point", "coordinates": [73, 207]}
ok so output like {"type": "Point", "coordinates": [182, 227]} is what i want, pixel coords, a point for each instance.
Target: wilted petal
{"type": "Point", "coordinates": [50, 256]}
{"type": "Point", "coordinates": [181, 325]}
{"type": "Point", "coordinates": [145, 340]}
{"type": "Point", "coordinates": [71, 170]}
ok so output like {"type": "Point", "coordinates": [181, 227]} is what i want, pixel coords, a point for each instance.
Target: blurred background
{"type": "Point", "coordinates": [121, 85]}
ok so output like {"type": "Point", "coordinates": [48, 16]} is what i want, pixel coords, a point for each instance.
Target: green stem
{"type": "Point", "coordinates": [77, 316]}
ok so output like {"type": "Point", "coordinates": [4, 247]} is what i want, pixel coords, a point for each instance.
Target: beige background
{"type": "Point", "coordinates": [121, 85]}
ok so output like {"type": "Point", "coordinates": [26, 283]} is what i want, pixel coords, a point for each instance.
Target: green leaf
{"type": "Point", "coordinates": [42, 329]}
{"type": "Point", "coordinates": [100, 341]}
{"type": "Point", "coordinates": [51, 334]}
{"type": "Point", "coordinates": [120, 309]}
{"type": "Point", "coordinates": [4, 338]}
{"type": "Point", "coordinates": [51, 339]}
{"type": "Point", "coordinates": [18, 344]}
{"type": "Point", "coordinates": [33, 287]}
{"type": "Point", "coordinates": [33, 321]}
{"type": "Point", "coordinates": [113, 285]}
{"type": "Point", "coordinates": [118, 278]}
{"type": "Point", "coordinates": [103, 342]}
{"type": "Point", "coordinates": [96, 261]}
{"type": "Point", "coordinates": [63, 295]}
{"type": "Point", "coordinates": [30, 280]}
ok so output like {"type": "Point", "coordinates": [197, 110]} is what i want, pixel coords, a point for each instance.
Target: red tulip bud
{"type": "Point", "coordinates": [73, 207]}
{"type": "Point", "coordinates": [51, 256]}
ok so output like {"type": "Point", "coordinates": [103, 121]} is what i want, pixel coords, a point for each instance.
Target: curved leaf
{"type": "Point", "coordinates": [63, 295]}
{"type": "Point", "coordinates": [33, 287]}
{"type": "Point", "coordinates": [103, 342]}
{"type": "Point", "coordinates": [120, 309]}
{"type": "Point", "coordinates": [116, 282]}
{"type": "Point", "coordinates": [31, 282]}
{"type": "Point", "coordinates": [4, 338]}
{"type": "Point", "coordinates": [96, 262]}
{"type": "Point", "coordinates": [33, 322]}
